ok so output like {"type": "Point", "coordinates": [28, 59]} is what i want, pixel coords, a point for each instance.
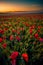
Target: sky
{"type": "Point", "coordinates": [21, 5]}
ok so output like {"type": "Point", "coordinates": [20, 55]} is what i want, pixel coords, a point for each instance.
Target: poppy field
{"type": "Point", "coordinates": [21, 39]}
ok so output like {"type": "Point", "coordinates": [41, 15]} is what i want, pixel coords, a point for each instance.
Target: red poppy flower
{"type": "Point", "coordinates": [13, 62]}
{"type": "Point", "coordinates": [18, 38]}
{"type": "Point", "coordinates": [25, 57]}
{"type": "Point", "coordinates": [39, 27]}
{"type": "Point", "coordinates": [5, 29]}
{"type": "Point", "coordinates": [18, 32]}
{"type": "Point", "coordinates": [1, 39]}
{"type": "Point", "coordinates": [4, 45]}
{"type": "Point", "coordinates": [4, 37]}
{"type": "Point", "coordinates": [2, 31]}
{"type": "Point", "coordinates": [31, 31]}
{"type": "Point", "coordinates": [32, 27]}
{"type": "Point", "coordinates": [36, 35]}
{"type": "Point", "coordinates": [14, 55]}
{"type": "Point", "coordinates": [26, 24]}
{"type": "Point", "coordinates": [13, 30]}
{"type": "Point", "coordinates": [11, 37]}
{"type": "Point", "coordinates": [41, 39]}
{"type": "Point", "coordinates": [38, 30]}
{"type": "Point", "coordinates": [21, 29]}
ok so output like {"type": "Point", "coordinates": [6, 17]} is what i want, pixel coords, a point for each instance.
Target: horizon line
{"type": "Point", "coordinates": [23, 11]}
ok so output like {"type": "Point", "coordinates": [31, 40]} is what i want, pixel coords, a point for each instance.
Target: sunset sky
{"type": "Point", "coordinates": [21, 5]}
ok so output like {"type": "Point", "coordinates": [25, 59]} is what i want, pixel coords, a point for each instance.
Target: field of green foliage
{"type": "Point", "coordinates": [21, 39]}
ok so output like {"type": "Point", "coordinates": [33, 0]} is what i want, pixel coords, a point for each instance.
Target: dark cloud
{"type": "Point", "coordinates": [25, 1]}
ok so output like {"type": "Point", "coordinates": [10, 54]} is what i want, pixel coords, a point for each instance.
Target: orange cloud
{"type": "Point", "coordinates": [4, 7]}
